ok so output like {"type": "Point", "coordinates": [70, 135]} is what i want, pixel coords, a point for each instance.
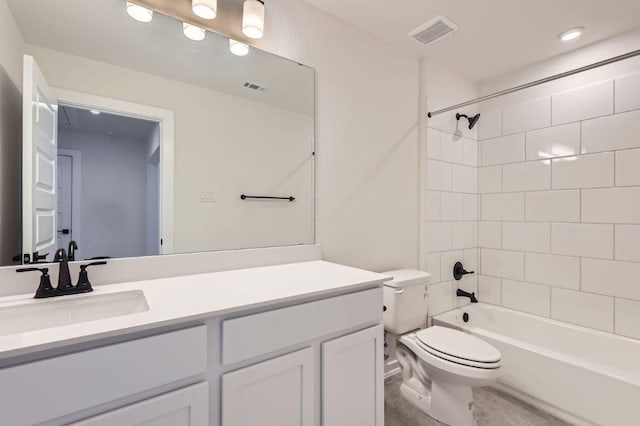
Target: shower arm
{"type": "Point", "coordinates": [538, 82]}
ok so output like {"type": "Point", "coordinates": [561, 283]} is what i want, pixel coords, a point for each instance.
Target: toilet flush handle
{"type": "Point", "coordinates": [399, 291]}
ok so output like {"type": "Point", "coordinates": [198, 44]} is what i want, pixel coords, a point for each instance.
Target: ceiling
{"type": "Point", "coordinates": [101, 30]}
{"type": "Point", "coordinates": [121, 126]}
{"type": "Point", "coordinates": [494, 36]}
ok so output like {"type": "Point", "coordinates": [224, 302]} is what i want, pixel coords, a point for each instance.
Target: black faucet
{"type": "Point", "coordinates": [471, 296]}
{"type": "Point", "coordinates": [71, 253]}
{"type": "Point", "coordinates": [45, 289]}
{"type": "Point", "coordinates": [64, 277]}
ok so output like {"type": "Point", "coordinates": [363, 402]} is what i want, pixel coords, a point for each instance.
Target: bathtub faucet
{"type": "Point", "coordinates": [471, 296]}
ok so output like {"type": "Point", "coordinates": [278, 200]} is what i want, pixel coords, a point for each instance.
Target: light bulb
{"type": "Point", "coordinates": [238, 48]}
{"type": "Point", "coordinates": [192, 32]}
{"type": "Point", "coordinates": [139, 13]}
{"type": "Point", "coordinates": [253, 18]}
{"type": "Point", "coordinates": [206, 9]}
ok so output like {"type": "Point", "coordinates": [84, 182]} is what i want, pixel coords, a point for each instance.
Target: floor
{"type": "Point", "coordinates": [493, 408]}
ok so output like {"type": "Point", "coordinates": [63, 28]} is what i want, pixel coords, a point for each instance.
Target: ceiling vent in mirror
{"type": "Point", "coordinates": [254, 86]}
{"type": "Point", "coordinates": [434, 30]}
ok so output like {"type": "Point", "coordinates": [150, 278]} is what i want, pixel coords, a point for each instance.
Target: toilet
{"type": "Point", "coordinates": [439, 365]}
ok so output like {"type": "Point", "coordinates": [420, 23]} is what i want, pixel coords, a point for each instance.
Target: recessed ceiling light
{"type": "Point", "coordinates": [238, 48]}
{"type": "Point", "coordinates": [139, 13]}
{"type": "Point", "coordinates": [192, 32]}
{"type": "Point", "coordinates": [94, 112]}
{"type": "Point", "coordinates": [206, 9]}
{"type": "Point", "coordinates": [571, 34]}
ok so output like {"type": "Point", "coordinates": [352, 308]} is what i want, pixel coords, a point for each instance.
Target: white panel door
{"type": "Point", "coordinates": [278, 392]}
{"type": "Point", "coordinates": [184, 407]}
{"type": "Point", "coordinates": [39, 158]}
{"type": "Point", "coordinates": [353, 379]}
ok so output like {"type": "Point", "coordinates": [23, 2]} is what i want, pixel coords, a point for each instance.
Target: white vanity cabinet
{"type": "Point", "coordinates": [50, 390]}
{"type": "Point", "coordinates": [275, 392]}
{"type": "Point", "coordinates": [306, 363]}
{"type": "Point", "coordinates": [184, 407]}
{"type": "Point", "coordinates": [335, 379]}
{"type": "Point", "coordinates": [353, 379]}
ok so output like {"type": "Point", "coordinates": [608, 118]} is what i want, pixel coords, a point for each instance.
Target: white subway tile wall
{"type": "Point", "coordinates": [584, 171]}
{"type": "Point", "coordinates": [627, 93]}
{"type": "Point", "coordinates": [558, 232]}
{"type": "Point", "coordinates": [583, 103]}
{"type": "Point", "coordinates": [452, 213]}
{"type": "Point", "coordinates": [551, 142]}
{"type": "Point", "coordinates": [518, 118]}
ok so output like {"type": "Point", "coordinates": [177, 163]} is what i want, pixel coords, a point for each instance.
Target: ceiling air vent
{"type": "Point", "coordinates": [437, 28]}
{"type": "Point", "coordinates": [254, 86]}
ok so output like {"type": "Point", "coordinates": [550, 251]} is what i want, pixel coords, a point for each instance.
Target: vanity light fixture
{"type": "Point", "coordinates": [253, 18]}
{"type": "Point", "coordinates": [139, 13]}
{"type": "Point", "coordinates": [193, 32]}
{"type": "Point", "coordinates": [206, 9]}
{"type": "Point", "coordinates": [571, 34]}
{"type": "Point", "coordinates": [238, 48]}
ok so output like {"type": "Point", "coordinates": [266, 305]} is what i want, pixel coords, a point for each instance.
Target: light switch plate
{"type": "Point", "coordinates": [207, 197]}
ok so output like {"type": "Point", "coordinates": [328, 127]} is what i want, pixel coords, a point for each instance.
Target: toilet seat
{"type": "Point", "coordinates": [458, 347]}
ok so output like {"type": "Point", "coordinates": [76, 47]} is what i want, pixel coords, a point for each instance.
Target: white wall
{"type": "Point", "coordinates": [113, 207]}
{"type": "Point", "coordinates": [366, 139]}
{"type": "Point", "coordinates": [559, 226]}
{"type": "Point", "coordinates": [11, 45]}
{"type": "Point", "coordinates": [450, 161]}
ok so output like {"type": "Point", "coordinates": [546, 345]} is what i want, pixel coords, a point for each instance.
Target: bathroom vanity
{"type": "Point", "coordinates": [294, 344]}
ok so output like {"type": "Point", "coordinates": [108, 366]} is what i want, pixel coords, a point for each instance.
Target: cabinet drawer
{"type": "Point", "coordinates": [184, 407]}
{"type": "Point", "coordinates": [55, 387]}
{"type": "Point", "coordinates": [254, 335]}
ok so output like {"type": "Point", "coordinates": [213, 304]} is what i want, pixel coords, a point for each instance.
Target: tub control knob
{"type": "Point", "coordinates": [459, 271]}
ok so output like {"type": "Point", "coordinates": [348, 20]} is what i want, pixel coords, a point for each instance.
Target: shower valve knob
{"type": "Point", "coordinates": [459, 271]}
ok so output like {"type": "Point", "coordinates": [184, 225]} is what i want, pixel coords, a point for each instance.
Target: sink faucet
{"type": "Point", "coordinates": [71, 253]}
{"type": "Point", "coordinates": [65, 287]}
{"type": "Point", "coordinates": [64, 276]}
{"type": "Point", "coordinates": [471, 296]}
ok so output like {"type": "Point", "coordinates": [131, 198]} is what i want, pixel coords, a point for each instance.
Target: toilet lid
{"type": "Point", "coordinates": [457, 346]}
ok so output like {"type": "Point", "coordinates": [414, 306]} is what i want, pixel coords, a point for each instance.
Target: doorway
{"type": "Point", "coordinates": [108, 193]}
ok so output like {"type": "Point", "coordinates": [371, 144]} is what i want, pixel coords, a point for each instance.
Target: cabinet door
{"type": "Point", "coordinates": [185, 407]}
{"type": "Point", "coordinates": [353, 379]}
{"type": "Point", "coordinates": [278, 392]}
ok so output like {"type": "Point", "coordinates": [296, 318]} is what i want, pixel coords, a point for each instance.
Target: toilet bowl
{"type": "Point", "coordinates": [439, 365]}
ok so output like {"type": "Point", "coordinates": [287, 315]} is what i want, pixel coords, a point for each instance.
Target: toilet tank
{"type": "Point", "coordinates": [405, 300]}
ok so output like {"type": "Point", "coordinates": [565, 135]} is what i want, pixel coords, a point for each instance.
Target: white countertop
{"type": "Point", "coordinates": [193, 297]}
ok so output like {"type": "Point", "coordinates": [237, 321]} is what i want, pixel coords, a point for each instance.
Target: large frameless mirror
{"type": "Point", "coordinates": [139, 141]}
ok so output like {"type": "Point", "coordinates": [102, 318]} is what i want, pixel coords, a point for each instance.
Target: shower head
{"type": "Point", "coordinates": [472, 120]}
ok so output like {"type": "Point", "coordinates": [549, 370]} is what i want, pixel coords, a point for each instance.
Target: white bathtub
{"type": "Point", "coordinates": [581, 375]}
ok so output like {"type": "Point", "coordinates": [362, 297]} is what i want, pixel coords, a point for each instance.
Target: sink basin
{"type": "Point", "coordinates": [41, 314]}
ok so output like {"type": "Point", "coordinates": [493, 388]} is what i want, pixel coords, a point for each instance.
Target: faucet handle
{"type": "Point", "coordinates": [84, 285]}
{"type": "Point", "coordinates": [45, 289]}
{"type": "Point", "coordinates": [459, 271]}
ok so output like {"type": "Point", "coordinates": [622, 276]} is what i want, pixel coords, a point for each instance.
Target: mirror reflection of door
{"type": "Point", "coordinates": [39, 158]}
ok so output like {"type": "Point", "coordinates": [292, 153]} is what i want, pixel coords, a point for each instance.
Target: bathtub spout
{"type": "Point", "coordinates": [471, 296]}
